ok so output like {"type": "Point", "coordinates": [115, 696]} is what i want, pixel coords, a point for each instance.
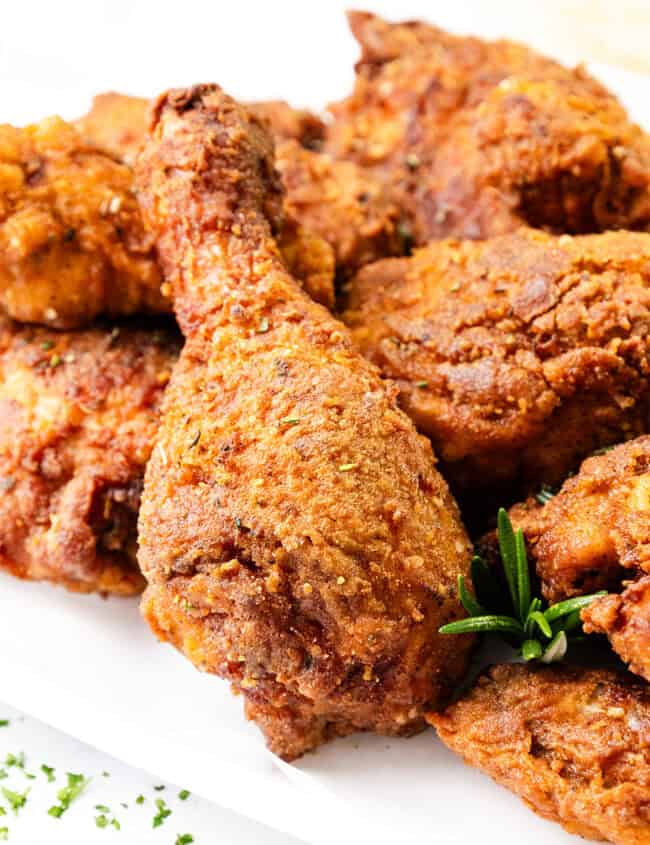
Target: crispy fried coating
{"type": "Point", "coordinates": [573, 743]}
{"type": "Point", "coordinates": [72, 241]}
{"type": "Point", "coordinates": [294, 532]}
{"type": "Point", "coordinates": [476, 138]}
{"type": "Point", "coordinates": [117, 123]}
{"type": "Point", "coordinates": [78, 416]}
{"type": "Point", "coordinates": [519, 355]}
{"type": "Point", "coordinates": [73, 245]}
{"type": "Point", "coordinates": [344, 205]}
{"type": "Point", "coordinates": [625, 620]}
{"type": "Point", "coordinates": [595, 535]}
{"type": "Point", "coordinates": [334, 200]}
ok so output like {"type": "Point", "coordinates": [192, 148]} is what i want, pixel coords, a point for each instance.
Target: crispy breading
{"type": "Point", "coordinates": [73, 245]}
{"type": "Point", "coordinates": [294, 532]}
{"type": "Point", "coordinates": [72, 242]}
{"type": "Point", "coordinates": [573, 743]}
{"type": "Point", "coordinates": [594, 534]}
{"type": "Point", "coordinates": [475, 138]}
{"type": "Point", "coordinates": [78, 416]}
{"type": "Point", "coordinates": [519, 355]}
{"type": "Point", "coordinates": [344, 205]}
{"type": "Point", "coordinates": [335, 200]}
{"type": "Point", "coordinates": [117, 123]}
{"type": "Point", "coordinates": [625, 620]}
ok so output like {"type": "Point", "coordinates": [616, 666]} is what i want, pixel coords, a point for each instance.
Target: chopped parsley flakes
{"type": "Point", "coordinates": [163, 813]}
{"type": "Point", "coordinates": [17, 800]}
{"type": "Point", "coordinates": [48, 771]}
{"type": "Point", "coordinates": [184, 794]}
{"type": "Point", "coordinates": [69, 793]}
{"type": "Point", "coordinates": [184, 839]}
{"type": "Point", "coordinates": [4, 723]}
{"type": "Point", "coordinates": [4, 834]}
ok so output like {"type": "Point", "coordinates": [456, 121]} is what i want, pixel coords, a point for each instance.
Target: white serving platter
{"type": "Point", "coordinates": [91, 667]}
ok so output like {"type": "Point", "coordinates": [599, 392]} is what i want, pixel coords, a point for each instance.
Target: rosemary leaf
{"type": "Point", "coordinates": [467, 599]}
{"type": "Point", "coordinates": [508, 554]}
{"type": "Point", "coordinates": [523, 576]}
{"type": "Point", "coordinates": [564, 608]}
{"type": "Point", "coordinates": [484, 624]}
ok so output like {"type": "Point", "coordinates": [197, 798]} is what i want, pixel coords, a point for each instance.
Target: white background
{"type": "Point", "coordinates": [90, 667]}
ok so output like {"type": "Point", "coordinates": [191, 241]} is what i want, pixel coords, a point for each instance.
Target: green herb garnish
{"type": "Point", "coordinates": [544, 494]}
{"type": "Point", "coordinates": [68, 794]}
{"type": "Point", "coordinates": [16, 800]}
{"type": "Point", "coordinates": [17, 760]}
{"type": "Point", "coordinates": [139, 799]}
{"type": "Point", "coordinates": [163, 813]}
{"type": "Point", "coordinates": [4, 723]}
{"type": "Point", "coordinates": [160, 787]}
{"type": "Point", "coordinates": [540, 634]}
{"type": "Point", "coordinates": [102, 808]}
{"type": "Point", "coordinates": [184, 794]}
{"type": "Point", "coordinates": [101, 821]}
{"type": "Point", "coordinates": [49, 772]}
{"type": "Point", "coordinates": [4, 834]}
{"type": "Point", "coordinates": [184, 839]}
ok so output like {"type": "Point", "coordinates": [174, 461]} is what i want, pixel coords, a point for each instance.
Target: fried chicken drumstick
{"type": "Point", "coordinates": [519, 355]}
{"type": "Point", "coordinates": [573, 743]}
{"type": "Point", "coordinates": [595, 535]}
{"type": "Point", "coordinates": [475, 138]}
{"type": "Point", "coordinates": [294, 532]}
{"type": "Point", "coordinates": [78, 417]}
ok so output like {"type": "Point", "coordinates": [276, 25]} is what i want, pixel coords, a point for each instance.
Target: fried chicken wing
{"type": "Point", "coordinates": [519, 355]}
{"type": "Point", "coordinates": [294, 532]}
{"type": "Point", "coordinates": [78, 416]}
{"type": "Point", "coordinates": [476, 138]}
{"type": "Point", "coordinates": [595, 535]}
{"type": "Point", "coordinates": [573, 743]}
{"type": "Point", "coordinates": [72, 242]}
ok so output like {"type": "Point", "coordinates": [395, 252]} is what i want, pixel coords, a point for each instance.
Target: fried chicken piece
{"type": "Point", "coordinates": [72, 242]}
{"type": "Point", "coordinates": [345, 206]}
{"type": "Point", "coordinates": [595, 535]}
{"type": "Point", "coordinates": [476, 138]}
{"type": "Point", "coordinates": [625, 620]}
{"type": "Point", "coordinates": [73, 245]}
{"type": "Point", "coordinates": [573, 743]}
{"type": "Point", "coordinates": [294, 532]}
{"type": "Point", "coordinates": [117, 123]}
{"type": "Point", "coordinates": [334, 200]}
{"type": "Point", "coordinates": [519, 355]}
{"type": "Point", "coordinates": [78, 416]}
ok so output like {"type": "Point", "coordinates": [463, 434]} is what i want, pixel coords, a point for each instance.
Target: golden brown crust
{"type": "Point", "coordinates": [594, 534]}
{"type": "Point", "coordinates": [117, 124]}
{"type": "Point", "coordinates": [72, 242]}
{"type": "Point", "coordinates": [78, 417]}
{"type": "Point", "coordinates": [295, 534]}
{"type": "Point", "coordinates": [519, 355]}
{"type": "Point", "coordinates": [344, 205]}
{"type": "Point", "coordinates": [625, 620]}
{"type": "Point", "coordinates": [574, 744]}
{"type": "Point", "coordinates": [333, 200]}
{"type": "Point", "coordinates": [476, 138]}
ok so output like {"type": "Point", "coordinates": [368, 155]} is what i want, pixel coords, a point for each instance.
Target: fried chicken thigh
{"type": "Point", "coordinates": [78, 416]}
{"type": "Point", "coordinates": [595, 535]}
{"type": "Point", "coordinates": [519, 355]}
{"type": "Point", "coordinates": [294, 532]}
{"type": "Point", "coordinates": [72, 241]}
{"type": "Point", "coordinates": [573, 743]}
{"type": "Point", "coordinates": [476, 138]}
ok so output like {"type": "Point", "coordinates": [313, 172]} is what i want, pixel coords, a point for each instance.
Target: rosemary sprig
{"type": "Point", "coordinates": [540, 634]}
